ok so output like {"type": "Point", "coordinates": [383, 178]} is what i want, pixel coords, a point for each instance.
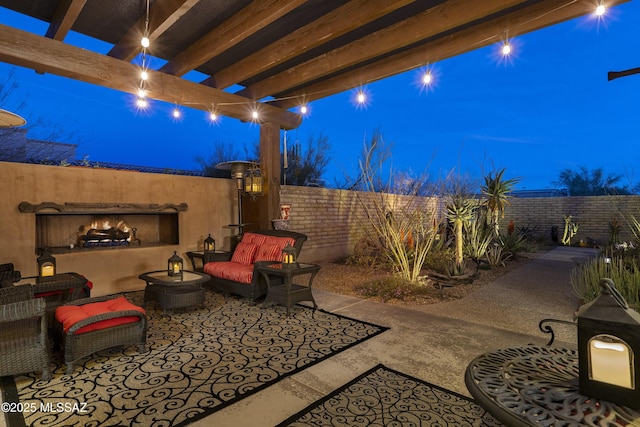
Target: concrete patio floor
{"type": "Point", "coordinates": [434, 342]}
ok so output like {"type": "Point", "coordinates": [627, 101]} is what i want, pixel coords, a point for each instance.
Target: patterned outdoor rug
{"type": "Point", "coordinates": [384, 397]}
{"type": "Point", "coordinates": [197, 362]}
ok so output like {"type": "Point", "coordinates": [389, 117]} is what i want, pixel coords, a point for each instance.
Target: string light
{"type": "Point", "coordinates": [601, 9]}
{"type": "Point", "coordinates": [506, 49]}
{"type": "Point", "coordinates": [304, 108]}
{"type": "Point", "coordinates": [176, 113]}
{"type": "Point", "coordinates": [145, 42]}
{"type": "Point", "coordinates": [254, 114]}
{"type": "Point", "coordinates": [142, 103]}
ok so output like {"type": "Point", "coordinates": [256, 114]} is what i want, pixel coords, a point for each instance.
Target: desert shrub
{"type": "Point", "coordinates": [440, 260]}
{"type": "Point", "coordinates": [585, 278]}
{"type": "Point", "coordinates": [387, 289]}
{"type": "Point", "coordinates": [496, 256]}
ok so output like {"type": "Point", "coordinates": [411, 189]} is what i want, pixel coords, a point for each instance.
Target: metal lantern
{"type": "Point", "coordinates": [46, 264]}
{"type": "Point", "coordinates": [175, 266]}
{"type": "Point", "coordinates": [288, 254]}
{"type": "Point", "coordinates": [209, 244]}
{"type": "Point", "coordinates": [609, 348]}
{"type": "Point", "coordinates": [253, 181]}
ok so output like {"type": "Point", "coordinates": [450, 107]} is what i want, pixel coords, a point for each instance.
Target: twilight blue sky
{"type": "Point", "coordinates": [549, 107]}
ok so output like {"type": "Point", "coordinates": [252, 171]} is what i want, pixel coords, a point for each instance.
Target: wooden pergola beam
{"type": "Point", "coordinates": [162, 15]}
{"type": "Point", "coordinates": [46, 55]}
{"type": "Point", "coordinates": [66, 14]}
{"type": "Point", "coordinates": [444, 17]}
{"type": "Point", "coordinates": [256, 15]}
{"type": "Point", "coordinates": [340, 21]}
{"type": "Point", "coordinates": [520, 22]}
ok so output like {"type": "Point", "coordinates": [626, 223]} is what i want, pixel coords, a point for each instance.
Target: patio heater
{"type": "Point", "coordinates": [9, 119]}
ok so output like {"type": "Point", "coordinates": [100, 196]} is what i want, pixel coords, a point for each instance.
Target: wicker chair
{"type": "Point", "coordinates": [24, 346]}
{"type": "Point", "coordinates": [8, 276]}
{"type": "Point", "coordinates": [76, 346]}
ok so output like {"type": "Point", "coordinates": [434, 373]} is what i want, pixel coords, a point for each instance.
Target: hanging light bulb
{"type": "Point", "coordinates": [142, 93]}
{"type": "Point", "coordinates": [427, 78]}
{"type": "Point", "coordinates": [361, 97]}
{"type": "Point", "coordinates": [601, 9]}
{"type": "Point", "coordinates": [145, 42]}
{"type": "Point", "coordinates": [213, 116]}
{"type": "Point", "coordinates": [255, 115]}
{"type": "Point", "coordinates": [304, 109]}
{"type": "Point", "coordinates": [506, 49]}
{"type": "Point", "coordinates": [144, 74]}
{"type": "Point", "coordinates": [176, 113]}
{"type": "Point", "coordinates": [142, 103]}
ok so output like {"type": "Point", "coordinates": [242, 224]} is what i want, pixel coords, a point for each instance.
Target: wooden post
{"type": "Point", "coordinates": [262, 210]}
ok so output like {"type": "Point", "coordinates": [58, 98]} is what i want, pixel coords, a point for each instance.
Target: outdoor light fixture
{"type": "Point", "coordinates": [609, 348]}
{"type": "Point", "coordinates": [506, 49]}
{"type": "Point", "coordinates": [253, 181]}
{"type": "Point", "coordinates": [288, 255]}
{"type": "Point", "coordinates": [209, 244]}
{"type": "Point", "coordinates": [46, 264]}
{"type": "Point", "coordinates": [175, 265]}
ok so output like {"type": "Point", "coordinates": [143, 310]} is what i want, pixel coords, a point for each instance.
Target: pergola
{"type": "Point", "coordinates": [268, 56]}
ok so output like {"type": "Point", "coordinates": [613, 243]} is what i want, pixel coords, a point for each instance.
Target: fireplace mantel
{"type": "Point", "coordinates": [100, 208]}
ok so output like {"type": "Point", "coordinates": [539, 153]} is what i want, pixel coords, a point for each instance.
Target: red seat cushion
{"type": "Point", "coordinates": [230, 270]}
{"type": "Point", "coordinates": [69, 315]}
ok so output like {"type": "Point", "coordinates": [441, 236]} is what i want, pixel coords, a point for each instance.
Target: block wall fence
{"type": "Point", "coordinates": [334, 221]}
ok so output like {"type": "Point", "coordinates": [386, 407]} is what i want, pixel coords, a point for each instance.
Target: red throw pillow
{"type": "Point", "coordinates": [269, 253]}
{"type": "Point", "coordinates": [244, 253]}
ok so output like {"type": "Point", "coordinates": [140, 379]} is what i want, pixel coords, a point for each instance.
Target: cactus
{"type": "Point", "coordinates": [570, 230]}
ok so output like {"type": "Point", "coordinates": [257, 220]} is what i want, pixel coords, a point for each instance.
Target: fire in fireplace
{"type": "Point", "coordinates": [102, 233]}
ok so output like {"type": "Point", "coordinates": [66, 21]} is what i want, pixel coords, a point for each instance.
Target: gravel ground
{"type": "Point", "coordinates": [345, 280]}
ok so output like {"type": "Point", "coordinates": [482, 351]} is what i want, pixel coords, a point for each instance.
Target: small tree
{"type": "Point", "coordinates": [459, 213]}
{"type": "Point", "coordinates": [306, 167]}
{"type": "Point", "coordinates": [496, 191]}
{"type": "Point", "coordinates": [585, 182]}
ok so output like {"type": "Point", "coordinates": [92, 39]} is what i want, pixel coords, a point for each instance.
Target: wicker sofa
{"type": "Point", "coordinates": [234, 272]}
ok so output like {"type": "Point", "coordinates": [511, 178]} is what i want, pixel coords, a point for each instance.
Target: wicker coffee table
{"type": "Point", "coordinates": [171, 292]}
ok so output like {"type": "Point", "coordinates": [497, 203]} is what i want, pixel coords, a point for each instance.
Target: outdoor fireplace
{"type": "Point", "coordinates": [82, 226]}
{"type": "Point", "coordinates": [101, 233]}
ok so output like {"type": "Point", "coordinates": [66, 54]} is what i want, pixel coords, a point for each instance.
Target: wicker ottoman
{"type": "Point", "coordinates": [93, 324]}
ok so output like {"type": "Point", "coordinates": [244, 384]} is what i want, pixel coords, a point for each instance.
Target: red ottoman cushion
{"type": "Point", "coordinates": [69, 315]}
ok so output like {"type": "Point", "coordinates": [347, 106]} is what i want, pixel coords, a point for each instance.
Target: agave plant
{"type": "Point", "coordinates": [496, 190]}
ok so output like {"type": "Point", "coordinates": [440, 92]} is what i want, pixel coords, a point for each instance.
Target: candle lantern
{"type": "Point", "coordinates": [209, 244]}
{"type": "Point", "coordinates": [253, 181]}
{"type": "Point", "coordinates": [288, 255]}
{"type": "Point", "coordinates": [175, 265]}
{"type": "Point", "coordinates": [609, 348]}
{"type": "Point", "coordinates": [46, 264]}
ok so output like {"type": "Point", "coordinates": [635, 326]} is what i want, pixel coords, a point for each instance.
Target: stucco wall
{"type": "Point", "coordinates": [211, 207]}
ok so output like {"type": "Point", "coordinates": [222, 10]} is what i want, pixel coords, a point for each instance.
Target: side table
{"type": "Point", "coordinates": [172, 292]}
{"type": "Point", "coordinates": [286, 292]}
{"type": "Point", "coordinates": [538, 386]}
{"type": "Point", "coordinates": [200, 258]}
